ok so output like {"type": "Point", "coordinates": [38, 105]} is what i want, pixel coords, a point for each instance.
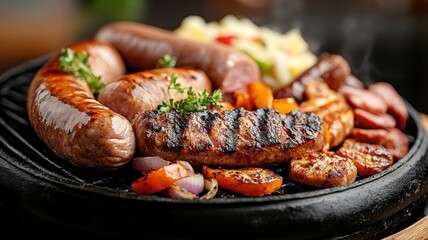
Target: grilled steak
{"type": "Point", "coordinates": [231, 138]}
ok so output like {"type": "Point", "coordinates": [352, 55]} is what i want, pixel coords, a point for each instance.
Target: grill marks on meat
{"type": "Point", "coordinates": [176, 124]}
{"type": "Point", "coordinates": [323, 169]}
{"type": "Point", "coordinates": [232, 138]}
{"type": "Point", "coordinates": [368, 158]}
{"type": "Point", "coordinates": [330, 169]}
{"type": "Point", "coordinates": [227, 125]}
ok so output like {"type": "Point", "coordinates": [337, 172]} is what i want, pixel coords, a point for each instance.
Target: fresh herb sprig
{"type": "Point", "coordinates": [76, 63]}
{"type": "Point", "coordinates": [166, 61]}
{"type": "Point", "coordinates": [194, 102]}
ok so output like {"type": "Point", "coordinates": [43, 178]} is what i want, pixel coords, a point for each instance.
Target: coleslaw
{"type": "Point", "coordinates": [280, 57]}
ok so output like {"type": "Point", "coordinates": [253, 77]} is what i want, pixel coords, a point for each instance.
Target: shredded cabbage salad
{"type": "Point", "coordinates": [280, 57]}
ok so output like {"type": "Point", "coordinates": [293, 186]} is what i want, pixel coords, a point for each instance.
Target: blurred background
{"type": "Point", "coordinates": [383, 40]}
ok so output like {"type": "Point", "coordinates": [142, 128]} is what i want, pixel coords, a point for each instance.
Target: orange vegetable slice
{"type": "Point", "coordinates": [284, 105]}
{"type": "Point", "coordinates": [225, 106]}
{"type": "Point", "coordinates": [160, 179]}
{"type": "Point", "coordinates": [242, 99]}
{"type": "Point", "coordinates": [247, 181]}
{"type": "Point", "coordinates": [260, 94]}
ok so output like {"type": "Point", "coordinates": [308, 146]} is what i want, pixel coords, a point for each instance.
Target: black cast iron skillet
{"type": "Point", "coordinates": [36, 181]}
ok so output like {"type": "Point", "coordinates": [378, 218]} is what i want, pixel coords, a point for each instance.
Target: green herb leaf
{"type": "Point", "coordinates": [194, 102]}
{"type": "Point", "coordinates": [166, 61]}
{"type": "Point", "coordinates": [173, 84]}
{"type": "Point", "coordinates": [77, 65]}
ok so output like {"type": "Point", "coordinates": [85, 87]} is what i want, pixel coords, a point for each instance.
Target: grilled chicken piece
{"type": "Point", "coordinates": [368, 158]}
{"type": "Point", "coordinates": [332, 108]}
{"type": "Point", "coordinates": [322, 169]}
{"type": "Point", "coordinates": [230, 138]}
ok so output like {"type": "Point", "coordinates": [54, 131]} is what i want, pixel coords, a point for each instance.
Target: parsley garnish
{"type": "Point", "coordinates": [77, 64]}
{"type": "Point", "coordinates": [194, 102]}
{"type": "Point", "coordinates": [166, 61]}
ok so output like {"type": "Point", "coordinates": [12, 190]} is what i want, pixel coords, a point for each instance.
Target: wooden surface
{"type": "Point", "coordinates": [419, 230]}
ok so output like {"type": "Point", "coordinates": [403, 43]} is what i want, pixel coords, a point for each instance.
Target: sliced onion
{"type": "Point", "coordinates": [148, 164]}
{"type": "Point", "coordinates": [185, 188]}
{"type": "Point", "coordinates": [176, 191]}
{"type": "Point", "coordinates": [187, 165]}
{"type": "Point", "coordinates": [193, 184]}
{"type": "Point", "coordinates": [211, 185]}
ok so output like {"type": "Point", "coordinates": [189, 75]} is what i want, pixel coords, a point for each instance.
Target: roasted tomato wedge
{"type": "Point", "coordinates": [247, 181]}
{"type": "Point", "coordinates": [160, 179]}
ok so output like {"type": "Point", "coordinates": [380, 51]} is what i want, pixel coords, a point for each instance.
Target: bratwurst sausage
{"type": "Point", "coordinates": [65, 115]}
{"type": "Point", "coordinates": [145, 90]}
{"type": "Point", "coordinates": [141, 46]}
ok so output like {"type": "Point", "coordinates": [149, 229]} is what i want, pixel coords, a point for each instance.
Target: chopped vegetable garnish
{"type": "Point", "coordinates": [166, 61]}
{"type": "Point", "coordinates": [194, 102]}
{"type": "Point", "coordinates": [77, 65]}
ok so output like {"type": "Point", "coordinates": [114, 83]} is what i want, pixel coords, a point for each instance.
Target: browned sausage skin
{"type": "Point", "coordinates": [330, 68]}
{"type": "Point", "coordinates": [141, 46]}
{"type": "Point", "coordinates": [71, 122]}
{"type": "Point", "coordinates": [145, 90]}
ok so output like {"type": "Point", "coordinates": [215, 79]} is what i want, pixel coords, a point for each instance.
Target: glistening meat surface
{"type": "Point", "coordinates": [231, 138]}
{"type": "Point", "coordinates": [65, 115]}
{"type": "Point", "coordinates": [145, 90]}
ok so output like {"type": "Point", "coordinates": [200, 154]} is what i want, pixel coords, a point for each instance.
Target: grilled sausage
{"type": "Point", "coordinates": [393, 139]}
{"type": "Point", "coordinates": [145, 90]}
{"type": "Point", "coordinates": [332, 108]}
{"type": "Point", "coordinates": [330, 68]}
{"type": "Point", "coordinates": [364, 99]}
{"type": "Point", "coordinates": [65, 115]}
{"type": "Point", "coordinates": [369, 158]}
{"type": "Point", "coordinates": [230, 138]}
{"type": "Point", "coordinates": [141, 46]}
{"type": "Point", "coordinates": [322, 169]}
{"type": "Point", "coordinates": [365, 119]}
{"type": "Point", "coordinates": [396, 105]}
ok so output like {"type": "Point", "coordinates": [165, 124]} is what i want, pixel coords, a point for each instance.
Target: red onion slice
{"type": "Point", "coordinates": [188, 187]}
{"type": "Point", "coordinates": [187, 165]}
{"type": "Point", "coordinates": [185, 188]}
{"type": "Point", "coordinates": [176, 191]}
{"type": "Point", "coordinates": [193, 184]}
{"type": "Point", "coordinates": [211, 185]}
{"type": "Point", "coordinates": [148, 164]}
